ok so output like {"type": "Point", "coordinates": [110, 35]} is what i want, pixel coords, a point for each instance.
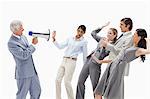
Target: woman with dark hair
{"type": "Point", "coordinates": [110, 83]}
{"type": "Point", "coordinates": [75, 45]}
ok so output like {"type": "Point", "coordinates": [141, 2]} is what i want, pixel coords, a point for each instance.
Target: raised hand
{"type": "Point", "coordinates": [106, 24]}
{"type": "Point", "coordinates": [54, 35]}
{"type": "Point", "coordinates": [34, 40]}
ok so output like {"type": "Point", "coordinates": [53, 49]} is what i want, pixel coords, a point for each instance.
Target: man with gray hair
{"type": "Point", "coordinates": [25, 73]}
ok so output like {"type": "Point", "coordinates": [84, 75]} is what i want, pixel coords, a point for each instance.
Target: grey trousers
{"type": "Point", "coordinates": [92, 69]}
{"type": "Point", "coordinates": [30, 84]}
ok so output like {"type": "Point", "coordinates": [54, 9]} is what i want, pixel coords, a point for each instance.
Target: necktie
{"type": "Point", "coordinates": [120, 36]}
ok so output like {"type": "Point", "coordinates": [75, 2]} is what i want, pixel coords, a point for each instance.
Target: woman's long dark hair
{"type": "Point", "coordinates": [142, 43]}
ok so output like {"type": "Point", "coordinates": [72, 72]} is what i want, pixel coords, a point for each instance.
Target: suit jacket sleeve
{"type": "Point", "coordinates": [95, 36]}
{"type": "Point", "coordinates": [19, 52]}
{"type": "Point", "coordinates": [128, 42]}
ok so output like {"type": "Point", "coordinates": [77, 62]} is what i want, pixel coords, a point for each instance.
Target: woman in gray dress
{"type": "Point", "coordinates": [109, 85]}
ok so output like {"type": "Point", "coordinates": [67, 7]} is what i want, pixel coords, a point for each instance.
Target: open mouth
{"type": "Point", "coordinates": [78, 36]}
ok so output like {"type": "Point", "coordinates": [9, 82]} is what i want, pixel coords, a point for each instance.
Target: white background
{"type": "Point", "coordinates": [65, 17]}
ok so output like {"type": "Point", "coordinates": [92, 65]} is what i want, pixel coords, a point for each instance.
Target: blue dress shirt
{"type": "Point", "coordinates": [74, 47]}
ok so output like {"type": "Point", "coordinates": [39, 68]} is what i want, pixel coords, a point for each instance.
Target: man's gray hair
{"type": "Point", "coordinates": [15, 25]}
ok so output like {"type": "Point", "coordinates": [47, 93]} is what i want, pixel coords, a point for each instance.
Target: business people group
{"type": "Point", "coordinates": [120, 51]}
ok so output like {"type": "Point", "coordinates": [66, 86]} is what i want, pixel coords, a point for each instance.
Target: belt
{"type": "Point", "coordinates": [71, 58]}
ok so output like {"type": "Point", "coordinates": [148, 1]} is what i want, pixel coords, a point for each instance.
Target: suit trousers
{"type": "Point", "coordinates": [89, 69]}
{"type": "Point", "coordinates": [30, 84]}
{"type": "Point", "coordinates": [65, 70]}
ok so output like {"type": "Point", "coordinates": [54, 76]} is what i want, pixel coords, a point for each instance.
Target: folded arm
{"type": "Point", "coordinates": [101, 61]}
{"type": "Point", "coordinates": [19, 52]}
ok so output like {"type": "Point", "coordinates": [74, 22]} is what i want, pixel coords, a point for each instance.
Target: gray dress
{"type": "Point", "coordinates": [110, 84]}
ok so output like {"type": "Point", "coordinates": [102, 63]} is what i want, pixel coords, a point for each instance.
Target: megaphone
{"type": "Point", "coordinates": [42, 35]}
